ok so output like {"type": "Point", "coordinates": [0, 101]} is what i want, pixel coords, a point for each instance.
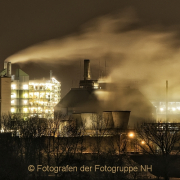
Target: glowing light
{"type": "Point", "coordinates": [25, 86]}
{"type": "Point", "coordinates": [13, 95]}
{"type": "Point", "coordinates": [178, 108]}
{"type": "Point", "coordinates": [13, 86]}
{"type": "Point", "coordinates": [25, 101]}
{"type": "Point", "coordinates": [161, 109]}
{"type": "Point", "coordinates": [25, 95]}
{"type": "Point", "coordinates": [2, 130]}
{"type": "Point", "coordinates": [131, 135]}
{"type": "Point", "coordinates": [12, 110]}
{"type": "Point", "coordinates": [12, 102]}
{"type": "Point", "coordinates": [25, 109]}
{"type": "Point", "coordinates": [142, 142]}
{"type": "Point", "coordinates": [173, 109]}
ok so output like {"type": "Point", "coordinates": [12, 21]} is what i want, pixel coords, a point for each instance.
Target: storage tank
{"type": "Point", "coordinates": [77, 117]}
{"type": "Point", "coordinates": [89, 121]}
{"type": "Point", "coordinates": [107, 120]}
{"type": "Point", "coordinates": [121, 119]}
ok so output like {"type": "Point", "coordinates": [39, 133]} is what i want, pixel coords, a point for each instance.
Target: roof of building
{"type": "Point", "coordinates": [123, 99]}
{"type": "Point", "coordinates": [3, 72]}
{"type": "Point", "coordinates": [76, 97]}
{"type": "Point", "coordinates": [19, 73]}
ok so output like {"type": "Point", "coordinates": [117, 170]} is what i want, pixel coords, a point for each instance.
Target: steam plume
{"type": "Point", "coordinates": [137, 53]}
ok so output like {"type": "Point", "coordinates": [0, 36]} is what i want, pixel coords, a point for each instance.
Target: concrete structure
{"type": "Point", "coordinates": [120, 119]}
{"type": "Point", "coordinates": [90, 99]}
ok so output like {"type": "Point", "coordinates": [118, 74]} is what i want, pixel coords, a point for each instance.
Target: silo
{"type": "Point", "coordinates": [89, 121]}
{"type": "Point", "coordinates": [107, 120]}
{"type": "Point", "coordinates": [121, 119]}
{"type": "Point", "coordinates": [77, 117]}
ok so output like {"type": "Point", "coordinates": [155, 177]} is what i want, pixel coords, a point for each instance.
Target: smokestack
{"type": "Point", "coordinates": [9, 69]}
{"type": "Point", "coordinates": [87, 75]}
{"type": "Point", "coordinates": [51, 74]}
{"type": "Point", "coordinates": [5, 65]}
{"type": "Point", "coordinates": [166, 101]}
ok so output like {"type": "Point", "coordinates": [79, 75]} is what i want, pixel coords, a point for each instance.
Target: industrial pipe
{"type": "Point", "coordinates": [9, 69]}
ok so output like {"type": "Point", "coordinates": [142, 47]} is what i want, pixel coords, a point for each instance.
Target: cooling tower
{"type": "Point", "coordinates": [87, 75]}
{"type": "Point", "coordinates": [121, 119]}
{"type": "Point", "coordinates": [77, 117]}
{"type": "Point", "coordinates": [89, 121]}
{"type": "Point", "coordinates": [107, 120]}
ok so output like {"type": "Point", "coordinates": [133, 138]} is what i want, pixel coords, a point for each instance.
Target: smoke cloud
{"type": "Point", "coordinates": [132, 51]}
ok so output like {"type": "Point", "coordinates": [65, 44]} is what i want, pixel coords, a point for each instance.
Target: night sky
{"type": "Point", "coordinates": [140, 37]}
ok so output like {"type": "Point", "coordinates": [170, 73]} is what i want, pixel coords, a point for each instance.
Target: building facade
{"type": "Point", "coordinates": [34, 98]}
{"type": "Point", "coordinates": [28, 98]}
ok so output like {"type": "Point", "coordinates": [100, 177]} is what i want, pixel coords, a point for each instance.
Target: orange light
{"type": "Point", "coordinates": [131, 135]}
{"type": "Point", "coordinates": [142, 142]}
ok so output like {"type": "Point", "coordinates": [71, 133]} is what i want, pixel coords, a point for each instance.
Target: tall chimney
{"type": "Point", "coordinates": [87, 75]}
{"type": "Point", "coordinates": [166, 101]}
{"type": "Point", "coordinates": [5, 65]}
{"type": "Point", "coordinates": [51, 72]}
{"type": "Point", "coordinates": [9, 69]}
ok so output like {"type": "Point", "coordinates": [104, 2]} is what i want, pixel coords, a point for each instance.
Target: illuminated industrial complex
{"type": "Point", "coordinates": [29, 98]}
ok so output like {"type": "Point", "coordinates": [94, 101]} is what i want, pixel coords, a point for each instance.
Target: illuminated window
{"type": "Point", "coordinates": [12, 102]}
{"type": "Point", "coordinates": [161, 109]}
{"type": "Point", "coordinates": [25, 86]}
{"type": "Point", "coordinates": [25, 95]}
{"type": "Point", "coordinates": [173, 109]}
{"type": "Point", "coordinates": [13, 86]}
{"type": "Point", "coordinates": [25, 109]}
{"type": "Point", "coordinates": [12, 110]}
{"type": "Point", "coordinates": [25, 101]}
{"type": "Point", "coordinates": [13, 95]}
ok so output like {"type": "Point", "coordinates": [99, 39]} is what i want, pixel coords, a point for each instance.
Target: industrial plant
{"type": "Point", "coordinates": [95, 104]}
{"type": "Point", "coordinates": [103, 106]}
{"type": "Point", "coordinates": [27, 98]}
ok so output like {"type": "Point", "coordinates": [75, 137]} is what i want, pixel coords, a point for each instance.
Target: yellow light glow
{"type": "Point", "coordinates": [12, 110]}
{"type": "Point", "coordinates": [161, 109]}
{"type": "Point", "coordinates": [13, 86]}
{"type": "Point", "coordinates": [25, 109]}
{"type": "Point", "coordinates": [142, 142]}
{"type": "Point", "coordinates": [13, 95]}
{"type": "Point", "coordinates": [25, 95]}
{"type": "Point", "coordinates": [25, 86]}
{"type": "Point", "coordinates": [25, 101]}
{"type": "Point", "coordinates": [173, 109]}
{"type": "Point", "coordinates": [12, 102]}
{"type": "Point", "coordinates": [131, 135]}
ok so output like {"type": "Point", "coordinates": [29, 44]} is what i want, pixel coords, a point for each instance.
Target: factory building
{"type": "Point", "coordinates": [173, 110]}
{"type": "Point", "coordinates": [89, 104]}
{"type": "Point", "coordinates": [27, 98]}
